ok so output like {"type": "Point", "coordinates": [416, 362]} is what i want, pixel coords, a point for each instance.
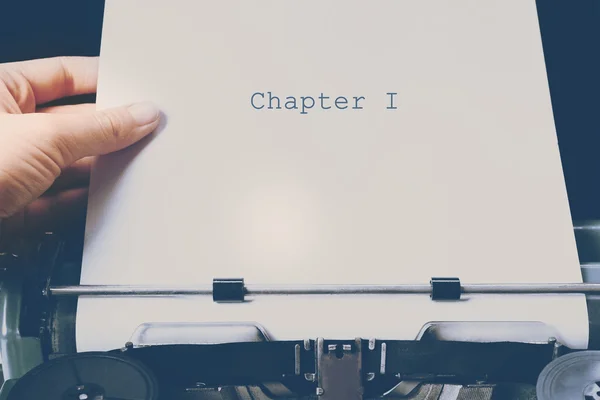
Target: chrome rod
{"type": "Point", "coordinates": [336, 289]}
{"type": "Point", "coordinates": [526, 288]}
{"type": "Point", "coordinates": [124, 290]}
{"type": "Point", "coordinates": [260, 290]}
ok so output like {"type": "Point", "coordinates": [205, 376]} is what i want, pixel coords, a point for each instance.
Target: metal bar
{"type": "Point", "coordinates": [259, 290]}
{"type": "Point", "coordinates": [115, 290]}
{"type": "Point", "coordinates": [336, 289]}
{"type": "Point", "coordinates": [547, 288]}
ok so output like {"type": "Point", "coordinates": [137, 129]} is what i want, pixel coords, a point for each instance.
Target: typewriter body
{"type": "Point", "coordinates": [235, 361]}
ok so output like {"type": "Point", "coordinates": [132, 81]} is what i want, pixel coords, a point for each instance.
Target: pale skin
{"type": "Point", "coordinates": [46, 152]}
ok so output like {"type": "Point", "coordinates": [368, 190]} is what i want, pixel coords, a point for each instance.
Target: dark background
{"type": "Point", "coordinates": [570, 33]}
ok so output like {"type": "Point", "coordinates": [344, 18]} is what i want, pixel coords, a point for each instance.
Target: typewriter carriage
{"type": "Point", "coordinates": [37, 328]}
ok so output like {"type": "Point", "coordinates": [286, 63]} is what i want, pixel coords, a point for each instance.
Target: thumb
{"type": "Point", "coordinates": [35, 148]}
{"type": "Point", "coordinates": [75, 136]}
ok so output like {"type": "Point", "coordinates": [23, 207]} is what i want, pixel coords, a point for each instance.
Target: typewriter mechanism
{"type": "Point", "coordinates": [39, 293]}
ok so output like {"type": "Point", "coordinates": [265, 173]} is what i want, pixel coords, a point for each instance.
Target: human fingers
{"type": "Point", "coordinates": [40, 146]}
{"type": "Point", "coordinates": [40, 81]}
{"type": "Point", "coordinates": [75, 136]}
{"type": "Point", "coordinates": [75, 176]}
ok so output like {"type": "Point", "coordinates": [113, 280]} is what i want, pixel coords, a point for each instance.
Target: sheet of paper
{"type": "Point", "coordinates": [284, 159]}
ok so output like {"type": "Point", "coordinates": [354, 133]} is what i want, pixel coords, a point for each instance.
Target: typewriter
{"type": "Point", "coordinates": [40, 289]}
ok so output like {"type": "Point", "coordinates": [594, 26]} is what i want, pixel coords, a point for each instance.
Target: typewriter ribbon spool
{"type": "Point", "coordinates": [87, 376]}
{"type": "Point", "coordinates": [571, 377]}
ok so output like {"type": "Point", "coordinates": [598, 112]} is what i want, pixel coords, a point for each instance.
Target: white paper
{"type": "Point", "coordinates": [462, 179]}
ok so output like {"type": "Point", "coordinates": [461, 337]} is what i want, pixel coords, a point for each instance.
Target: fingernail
{"type": "Point", "coordinates": [144, 113]}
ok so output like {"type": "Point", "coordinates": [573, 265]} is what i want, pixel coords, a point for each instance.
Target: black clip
{"type": "Point", "coordinates": [229, 290]}
{"type": "Point", "coordinates": [445, 289]}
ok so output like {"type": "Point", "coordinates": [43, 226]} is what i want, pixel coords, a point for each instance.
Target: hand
{"type": "Point", "coordinates": [46, 153]}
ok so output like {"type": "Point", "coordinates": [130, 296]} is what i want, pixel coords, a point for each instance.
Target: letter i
{"type": "Point", "coordinates": [392, 106]}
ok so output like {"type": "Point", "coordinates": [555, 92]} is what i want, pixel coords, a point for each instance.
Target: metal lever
{"type": "Point", "coordinates": [339, 370]}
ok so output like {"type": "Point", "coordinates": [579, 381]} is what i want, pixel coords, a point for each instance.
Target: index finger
{"type": "Point", "coordinates": [54, 78]}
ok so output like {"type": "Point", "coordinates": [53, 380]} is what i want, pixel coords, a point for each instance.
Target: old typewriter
{"type": "Point", "coordinates": [40, 289]}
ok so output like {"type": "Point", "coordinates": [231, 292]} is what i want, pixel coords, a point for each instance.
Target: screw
{"type": "Point", "coordinates": [320, 391]}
